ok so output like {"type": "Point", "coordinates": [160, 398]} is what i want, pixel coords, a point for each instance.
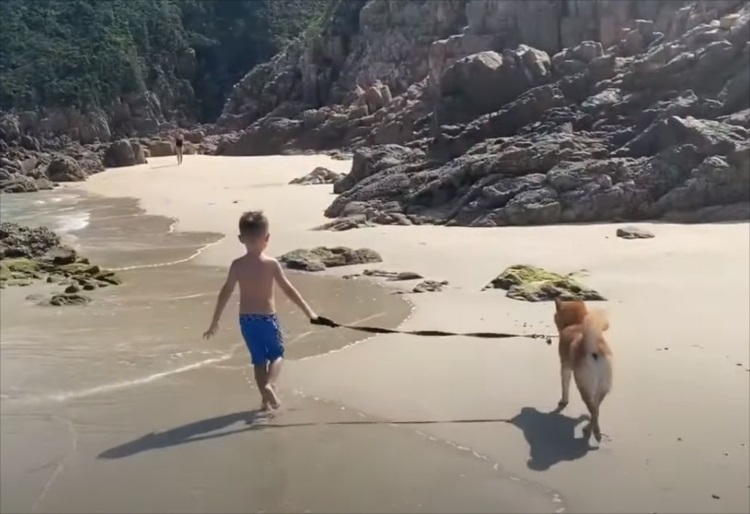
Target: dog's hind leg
{"type": "Point", "coordinates": [565, 374]}
{"type": "Point", "coordinates": [597, 402]}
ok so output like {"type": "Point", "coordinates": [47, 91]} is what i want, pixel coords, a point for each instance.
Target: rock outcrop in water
{"type": "Point", "coordinates": [28, 254]}
{"type": "Point", "coordinates": [492, 113]}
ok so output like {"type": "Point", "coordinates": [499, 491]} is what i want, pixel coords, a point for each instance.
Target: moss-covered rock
{"type": "Point", "coordinates": [21, 267]}
{"type": "Point", "coordinates": [533, 284]}
{"type": "Point", "coordinates": [36, 254]}
{"type": "Point", "coordinates": [80, 268]}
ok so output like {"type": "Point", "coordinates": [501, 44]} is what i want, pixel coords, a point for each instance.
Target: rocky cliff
{"type": "Point", "coordinates": [501, 112]}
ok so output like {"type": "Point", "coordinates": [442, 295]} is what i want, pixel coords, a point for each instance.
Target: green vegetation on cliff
{"type": "Point", "coordinates": [86, 53]}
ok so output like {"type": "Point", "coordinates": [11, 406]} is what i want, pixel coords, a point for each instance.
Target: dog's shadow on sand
{"type": "Point", "coordinates": [551, 435]}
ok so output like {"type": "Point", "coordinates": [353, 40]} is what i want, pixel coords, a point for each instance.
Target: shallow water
{"type": "Point", "coordinates": [152, 323]}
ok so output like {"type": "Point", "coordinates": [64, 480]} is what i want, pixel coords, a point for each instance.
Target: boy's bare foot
{"type": "Point", "coordinates": [273, 399]}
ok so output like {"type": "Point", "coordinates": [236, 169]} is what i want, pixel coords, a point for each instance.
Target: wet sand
{"type": "Point", "coordinates": [120, 406]}
{"type": "Point", "coordinates": [677, 421]}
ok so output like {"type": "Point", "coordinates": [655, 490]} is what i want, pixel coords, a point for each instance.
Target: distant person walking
{"type": "Point", "coordinates": [179, 140]}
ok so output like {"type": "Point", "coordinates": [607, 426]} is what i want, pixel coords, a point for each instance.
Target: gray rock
{"type": "Point", "coordinates": [392, 276]}
{"type": "Point", "coordinates": [318, 176]}
{"type": "Point", "coordinates": [632, 232]}
{"type": "Point", "coordinates": [139, 153]}
{"type": "Point", "coordinates": [121, 153]}
{"type": "Point", "coordinates": [429, 286]}
{"type": "Point", "coordinates": [65, 169]}
{"type": "Point", "coordinates": [317, 259]}
{"type": "Point", "coordinates": [161, 148]}
{"type": "Point", "coordinates": [20, 241]}
{"type": "Point", "coordinates": [485, 81]}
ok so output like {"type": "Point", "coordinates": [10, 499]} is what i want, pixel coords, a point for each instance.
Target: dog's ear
{"type": "Point", "coordinates": [558, 303]}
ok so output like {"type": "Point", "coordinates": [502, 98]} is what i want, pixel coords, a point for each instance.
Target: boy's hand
{"type": "Point", "coordinates": [208, 334]}
{"type": "Point", "coordinates": [324, 322]}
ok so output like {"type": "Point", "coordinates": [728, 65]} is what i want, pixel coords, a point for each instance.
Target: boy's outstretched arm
{"type": "Point", "coordinates": [224, 294]}
{"type": "Point", "coordinates": [291, 292]}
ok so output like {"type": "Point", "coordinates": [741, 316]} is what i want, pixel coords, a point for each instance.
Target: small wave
{"type": "Point", "coordinates": [170, 263]}
{"type": "Point", "coordinates": [72, 223]}
{"type": "Point", "coordinates": [116, 386]}
{"type": "Point", "coordinates": [188, 296]}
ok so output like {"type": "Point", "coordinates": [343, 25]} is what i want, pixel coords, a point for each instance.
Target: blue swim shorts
{"type": "Point", "coordinates": [263, 337]}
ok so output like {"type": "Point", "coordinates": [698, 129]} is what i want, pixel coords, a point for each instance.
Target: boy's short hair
{"type": "Point", "coordinates": [253, 224]}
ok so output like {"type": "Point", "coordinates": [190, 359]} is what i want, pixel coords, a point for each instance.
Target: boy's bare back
{"type": "Point", "coordinates": [256, 272]}
{"type": "Point", "coordinates": [255, 275]}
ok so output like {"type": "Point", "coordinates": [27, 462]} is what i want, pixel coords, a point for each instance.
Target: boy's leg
{"type": "Point", "coordinates": [256, 346]}
{"type": "Point", "coordinates": [274, 370]}
{"type": "Point", "coordinates": [275, 354]}
{"type": "Point", "coordinates": [261, 380]}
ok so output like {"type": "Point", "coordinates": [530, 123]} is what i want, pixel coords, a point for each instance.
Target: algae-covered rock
{"type": "Point", "coordinates": [533, 284]}
{"type": "Point", "coordinates": [28, 254]}
{"type": "Point", "coordinates": [320, 258]}
{"type": "Point", "coordinates": [80, 268]}
{"type": "Point", "coordinates": [21, 266]}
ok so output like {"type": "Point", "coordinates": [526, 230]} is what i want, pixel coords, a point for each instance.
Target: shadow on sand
{"type": "Point", "coordinates": [172, 165]}
{"type": "Point", "coordinates": [551, 435]}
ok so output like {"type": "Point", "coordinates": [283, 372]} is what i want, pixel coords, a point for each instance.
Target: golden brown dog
{"type": "Point", "coordinates": [585, 354]}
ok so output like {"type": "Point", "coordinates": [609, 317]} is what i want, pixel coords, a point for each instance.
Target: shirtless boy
{"type": "Point", "coordinates": [256, 273]}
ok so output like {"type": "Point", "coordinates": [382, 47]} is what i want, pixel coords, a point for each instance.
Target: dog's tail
{"type": "Point", "coordinates": [594, 324]}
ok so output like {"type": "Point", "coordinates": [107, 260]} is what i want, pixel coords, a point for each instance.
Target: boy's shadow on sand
{"type": "Point", "coordinates": [551, 435]}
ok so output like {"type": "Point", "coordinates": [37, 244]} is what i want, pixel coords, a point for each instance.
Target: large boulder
{"type": "Point", "coordinates": [120, 153]}
{"type": "Point", "coordinates": [24, 184]}
{"type": "Point", "coordinates": [21, 241]}
{"type": "Point", "coordinates": [484, 82]}
{"type": "Point", "coordinates": [161, 148]}
{"type": "Point", "coordinates": [139, 153]}
{"type": "Point", "coordinates": [267, 136]}
{"type": "Point", "coordinates": [65, 169]}
{"type": "Point", "coordinates": [371, 160]}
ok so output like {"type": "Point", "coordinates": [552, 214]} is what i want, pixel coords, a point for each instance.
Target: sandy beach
{"type": "Point", "coordinates": [475, 416]}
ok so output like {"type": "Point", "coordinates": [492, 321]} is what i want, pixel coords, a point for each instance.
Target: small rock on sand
{"type": "Point", "coordinates": [392, 275]}
{"type": "Point", "coordinates": [320, 258]}
{"type": "Point", "coordinates": [60, 300]}
{"type": "Point", "coordinates": [430, 286]}
{"type": "Point", "coordinates": [631, 232]}
{"type": "Point", "coordinates": [318, 176]}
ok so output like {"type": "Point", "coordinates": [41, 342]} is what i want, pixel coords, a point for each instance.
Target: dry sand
{"type": "Point", "coordinates": [677, 421]}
